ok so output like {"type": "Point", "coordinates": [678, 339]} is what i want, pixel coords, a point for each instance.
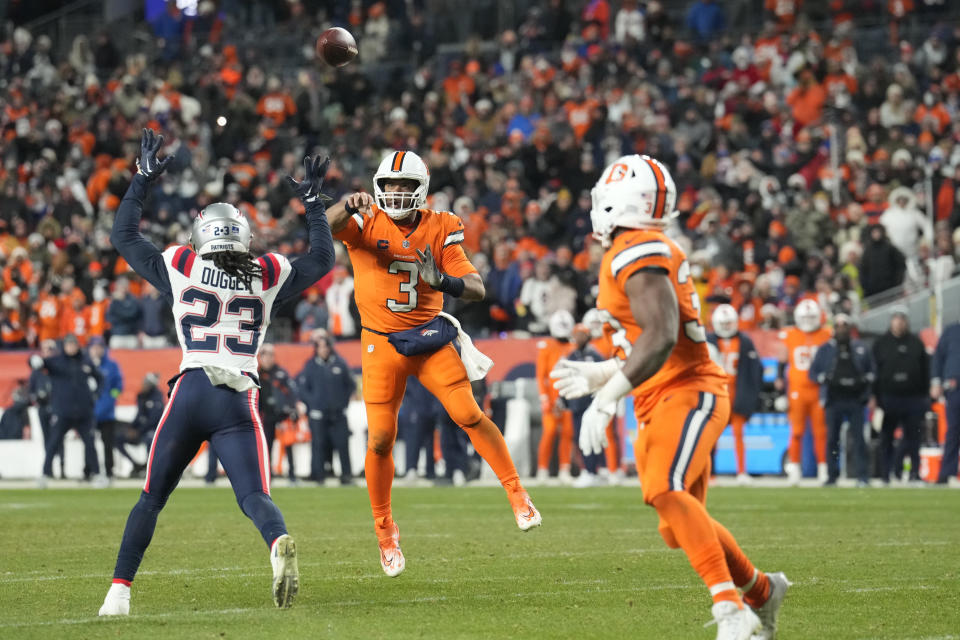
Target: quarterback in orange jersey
{"type": "Point", "coordinates": [740, 361]}
{"type": "Point", "coordinates": [404, 259]}
{"type": "Point", "coordinates": [802, 342]}
{"type": "Point", "coordinates": [680, 395]}
{"type": "Point", "coordinates": [556, 417]}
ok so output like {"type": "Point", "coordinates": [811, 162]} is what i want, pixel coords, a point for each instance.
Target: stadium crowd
{"type": "Point", "coordinates": [803, 169]}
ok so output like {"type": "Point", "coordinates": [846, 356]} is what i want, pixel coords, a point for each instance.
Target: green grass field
{"type": "Point", "coordinates": [865, 563]}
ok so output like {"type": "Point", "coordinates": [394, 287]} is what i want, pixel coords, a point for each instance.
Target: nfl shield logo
{"type": "Point", "coordinates": [406, 244]}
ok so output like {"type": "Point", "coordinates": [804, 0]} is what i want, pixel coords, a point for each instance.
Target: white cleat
{"type": "Point", "coordinates": [564, 477]}
{"type": "Point", "coordinates": [793, 473]}
{"type": "Point", "coordinates": [734, 623]}
{"type": "Point", "coordinates": [586, 480]}
{"type": "Point", "coordinates": [117, 602]}
{"type": "Point", "coordinates": [744, 479]}
{"type": "Point", "coordinates": [770, 609]}
{"type": "Point", "coordinates": [391, 557]}
{"type": "Point", "coordinates": [286, 575]}
{"type": "Point", "coordinates": [459, 478]}
{"type": "Point", "coordinates": [543, 475]}
{"type": "Point", "coordinates": [523, 510]}
{"type": "Point", "coordinates": [822, 472]}
{"type": "Point", "coordinates": [617, 478]}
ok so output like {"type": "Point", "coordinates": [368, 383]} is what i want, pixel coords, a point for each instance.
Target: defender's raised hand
{"type": "Point", "coordinates": [148, 164]}
{"type": "Point", "coordinates": [429, 272]}
{"type": "Point", "coordinates": [308, 189]}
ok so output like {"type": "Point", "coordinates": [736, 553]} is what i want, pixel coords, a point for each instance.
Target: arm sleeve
{"type": "Point", "coordinates": [653, 255]}
{"type": "Point", "coordinates": [352, 234]}
{"type": "Point", "coordinates": [309, 268]}
{"type": "Point", "coordinates": [453, 259]}
{"type": "Point", "coordinates": [144, 258]}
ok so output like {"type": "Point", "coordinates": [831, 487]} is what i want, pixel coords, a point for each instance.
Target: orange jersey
{"type": "Point", "coordinates": [549, 351]}
{"type": "Point", "coordinates": [98, 317]}
{"type": "Point", "coordinates": [47, 309]}
{"type": "Point", "coordinates": [387, 287]}
{"type": "Point", "coordinates": [801, 347]}
{"type": "Point", "coordinates": [729, 349]}
{"type": "Point", "coordinates": [689, 363]}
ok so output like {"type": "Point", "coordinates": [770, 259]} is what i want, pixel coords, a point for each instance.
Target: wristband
{"type": "Point", "coordinates": [351, 210]}
{"type": "Point", "coordinates": [452, 285]}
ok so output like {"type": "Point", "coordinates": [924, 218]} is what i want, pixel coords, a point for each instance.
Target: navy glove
{"type": "Point", "coordinates": [308, 189]}
{"type": "Point", "coordinates": [148, 165]}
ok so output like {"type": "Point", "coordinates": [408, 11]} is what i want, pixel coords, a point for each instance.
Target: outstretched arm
{"type": "Point", "coordinates": [143, 256]}
{"type": "Point", "coordinates": [309, 268]}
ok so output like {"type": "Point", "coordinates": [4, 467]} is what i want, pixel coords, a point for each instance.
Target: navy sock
{"type": "Point", "coordinates": [265, 515]}
{"type": "Point", "coordinates": [137, 535]}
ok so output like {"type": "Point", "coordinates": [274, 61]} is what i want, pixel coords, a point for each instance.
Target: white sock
{"type": "Point", "coordinates": [119, 590]}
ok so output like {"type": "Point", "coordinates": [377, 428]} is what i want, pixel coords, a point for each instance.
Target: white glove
{"type": "Point", "coordinates": [593, 427]}
{"type": "Point", "coordinates": [36, 362]}
{"type": "Point", "coordinates": [579, 379]}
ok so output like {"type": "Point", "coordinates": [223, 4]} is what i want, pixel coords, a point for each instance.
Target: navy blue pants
{"type": "Point", "coordinates": [951, 445]}
{"type": "Point", "coordinates": [418, 428]}
{"type": "Point", "coordinates": [328, 433]}
{"type": "Point", "coordinates": [593, 461]}
{"type": "Point", "coordinates": [54, 446]}
{"type": "Point", "coordinates": [453, 447]}
{"type": "Point", "coordinates": [906, 412]}
{"type": "Point", "coordinates": [837, 412]}
{"type": "Point", "coordinates": [198, 411]}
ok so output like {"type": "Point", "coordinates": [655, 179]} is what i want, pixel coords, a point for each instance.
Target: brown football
{"type": "Point", "coordinates": [336, 47]}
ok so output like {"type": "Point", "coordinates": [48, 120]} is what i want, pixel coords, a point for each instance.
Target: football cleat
{"type": "Point", "coordinates": [286, 575]}
{"type": "Point", "coordinates": [770, 609]}
{"type": "Point", "coordinates": [793, 473]}
{"type": "Point", "coordinates": [526, 514]}
{"type": "Point", "coordinates": [744, 479]}
{"type": "Point", "coordinates": [391, 557]}
{"type": "Point", "coordinates": [117, 602]}
{"type": "Point", "coordinates": [734, 623]}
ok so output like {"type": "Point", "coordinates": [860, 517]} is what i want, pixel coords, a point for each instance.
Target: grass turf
{"type": "Point", "coordinates": [866, 564]}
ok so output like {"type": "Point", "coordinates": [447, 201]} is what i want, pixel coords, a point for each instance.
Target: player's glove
{"type": "Point", "coordinates": [429, 271]}
{"type": "Point", "coordinates": [148, 164]}
{"type": "Point", "coordinates": [593, 427]}
{"type": "Point", "coordinates": [577, 379]}
{"type": "Point", "coordinates": [308, 189]}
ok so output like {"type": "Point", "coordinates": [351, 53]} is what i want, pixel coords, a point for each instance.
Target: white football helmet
{"type": "Point", "coordinates": [396, 166]}
{"type": "Point", "coordinates": [593, 320]}
{"type": "Point", "coordinates": [725, 321]}
{"type": "Point", "coordinates": [807, 316]}
{"type": "Point", "coordinates": [561, 324]}
{"type": "Point", "coordinates": [634, 192]}
{"type": "Point", "coordinates": [220, 227]}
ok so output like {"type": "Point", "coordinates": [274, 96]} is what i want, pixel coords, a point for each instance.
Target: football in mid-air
{"type": "Point", "coordinates": [336, 47]}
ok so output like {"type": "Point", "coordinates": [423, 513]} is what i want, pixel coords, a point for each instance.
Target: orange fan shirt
{"type": "Point", "coordinates": [387, 286]}
{"type": "Point", "coordinates": [689, 363]}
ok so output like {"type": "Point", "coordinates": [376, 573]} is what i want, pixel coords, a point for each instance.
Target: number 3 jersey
{"type": "Point", "coordinates": [387, 286]}
{"type": "Point", "coordinates": [689, 363]}
{"type": "Point", "coordinates": [220, 323]}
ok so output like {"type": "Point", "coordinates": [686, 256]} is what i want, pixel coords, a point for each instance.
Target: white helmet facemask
{"type": "Point", "coordinates": [401, 165]}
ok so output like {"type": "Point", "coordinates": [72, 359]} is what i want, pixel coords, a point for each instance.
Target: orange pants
{"type": "Point", "coordinates": [737, 421]}
{"type": "Point", "coordinates": [805, 405]}
{"type": "Point", "coordinates": [675, 439]}
{"type": "Point", "coordinates": [384, 375]}
{"type": "Point", "coordinates": [552, 426]}
{"type": "Point", "coordinates": [612, 452]}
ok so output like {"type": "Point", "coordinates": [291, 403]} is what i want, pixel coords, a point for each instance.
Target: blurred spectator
{"type": "Point", "coordinates": [104, 412]}
{"type": "Point", "coordinates": [844, 369]}
{"type": "Point", "coordinates": [278, 396]}
{"type": "Point", "coordinates": [39, 388]}
{"type": "Point", "coordinates": [156, 315]}
{"type": "Point", "coordinates": [339, 297]}
{"type": "Point", "coordinates": [15, 420]}
{"type": "Point", "coordinates": [882, 265]}
{"type": "Point", "coordinates": [901, 389]}
{"type": "Point", "coordinates": [945, 386]}
{"type": "Point", "coordinates": [706, 19]}
{"type": "Point", "coordinates": [125, 316]}
{"type": "Point", "coordinates": [75, 383]}
{"type": "Point", "coordinates": [905, 224]}
{"type": "Point", "coordinates": [311, 313]}
{"type": "Point", "coordinates": [325, 386]}
{"type": "Point", "coordinates": [149, 412]}
{"type": "Point", "coordinates": [534, 296]}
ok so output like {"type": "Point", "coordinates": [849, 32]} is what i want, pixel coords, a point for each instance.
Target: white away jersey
{"type": "Point", "coordinates": [219, 322]}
